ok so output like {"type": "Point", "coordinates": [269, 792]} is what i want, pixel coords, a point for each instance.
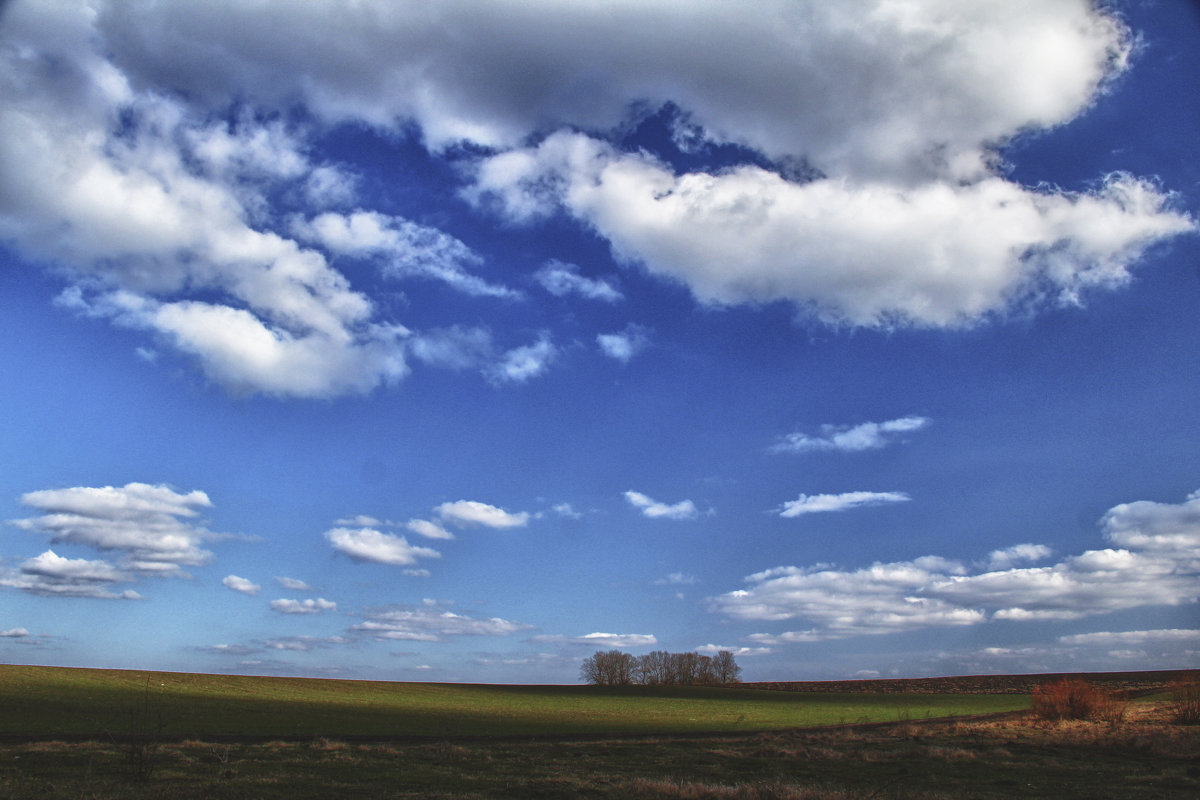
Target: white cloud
{"type": "Point", "coordinates": [863, 253]}
{"type": "Point", "coordinates": [14, 633]}
{"type": "Point", "coordinates": [307, 606]}
{"type": "Point", "coordinates": [817, 503]}
{"type": "Point", "coordinates": [850, 438]}
{"type": "Point", "coordinates": [430, 530]}
{"type": "Point", "coordinates": [470, 513]}
{"type": "Point", "coordinates": [121, 181]}
{"type": "Point", "coordinates": [1010, 556]}
{"type": "Point", "coordinates": [368, 544]}
{"type": "Point", "coordinates": [522, 363]}
{"type": "Point", "coordinates": [153, 526]}
{"type": "Point", "coordinates": [713, 649]}
{"type": "Point", "coordinates": [561, 279]}
{"type": "Point", "coordinates": [1156, 566]}
{"type": "Point", "coordinates": [294, 584]}
{"type": "Point", "coordinates": [625, 345]}
{"type": "Point", "coordinates": [51, 575]}
{"type": "Point", "coordinates": [241, 585]}
{"type": "Point", "coordinates": [684, 509]}
{"type": "Point", "coordinates": [431, 622]}
{"type": "Point", "coordinates": [925, 86]}
{"type": "Point", "coordinates": [603, 639]}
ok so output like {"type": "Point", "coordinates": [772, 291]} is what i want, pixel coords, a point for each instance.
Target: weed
{"type": "Point", "coordinates": [145, 733]}
{"type": "Point", "coordinates": [1185, 702]}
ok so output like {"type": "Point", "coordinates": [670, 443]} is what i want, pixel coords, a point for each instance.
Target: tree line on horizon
{"type": "Point", "coordinates": [659, 668]}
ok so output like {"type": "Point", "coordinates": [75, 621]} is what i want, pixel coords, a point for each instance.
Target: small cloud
{"type": "Point", "coordinates": [308, 606]}
{"type": "Point", "coordinates": [228, 649]}
{"type": "Point", "coordinates": [684, 509]}
{"type": "Point", "coordinates": [359, 521]}
{"type": "Point", "coordinates": [1011, 556]}
{"type": "Point", "coordinates": [430, 530]}
{"type": "Point", "coordinates": [303, 644]}
{"type": "Point", "coordinates": [294, 584]}
{"type": "Point", "coordinates": [603, 639]}
{"type": "Point", "coordinates": [368, 544]}
{"type": "Point", "coordinates": [817, 503]}
{"type": "Point", "coordinates": [850, 438]}
{"type": "Point", "coordinates": [625, 345]}
{"type": "Point", "coordinates": [469, 513]}
{"type": "Point", "coordinates": [522, 363]}
{"type": "Point", "coordinates": [432, 622]}
{"type": "Point", "coordinates": [561, 279]}
{"type": "Point", "coordinates": [713, 649]}
{"type": "Point", "coordinates": [676, 579]}
{"type": "Point", "coordinates": [566, 510]}
{"type": "Point", "coordinates": [240, 585]}
{"type": "Point", "coordinates": [14, 633]}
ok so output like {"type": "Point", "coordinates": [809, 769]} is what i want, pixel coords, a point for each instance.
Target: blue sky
{"type": "Point", "coordinates": [458, 342]}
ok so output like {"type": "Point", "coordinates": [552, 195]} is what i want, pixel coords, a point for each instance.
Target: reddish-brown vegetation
{"type": "Point", "coordinates": [1120, 684]}
{"type": "Point", "coordinates": [1075, 698]}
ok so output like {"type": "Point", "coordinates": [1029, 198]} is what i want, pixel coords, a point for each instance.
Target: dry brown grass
{"type": "Point", "coordinates": [650, 789]}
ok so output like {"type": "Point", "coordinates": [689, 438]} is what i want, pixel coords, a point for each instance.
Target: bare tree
{"type": "Point", "coordinates": [612, 668]}
{"type": "Point", "coordinates": [652, 668]}
{"type": "Point", "coordinates": [659, 668]}
{"type": "Point", "coordinates": [725, 669]}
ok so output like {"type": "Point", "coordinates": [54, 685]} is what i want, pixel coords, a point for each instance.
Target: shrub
{"type": "Point", "coordinates": [1185, 701]}
{"type": "Point", "coordinates": [1072, 698]}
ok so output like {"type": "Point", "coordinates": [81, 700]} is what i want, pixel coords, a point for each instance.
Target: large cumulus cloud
{"type": "Point", "coordinates": [164, 159]}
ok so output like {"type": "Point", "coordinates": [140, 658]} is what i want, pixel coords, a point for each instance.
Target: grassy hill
{"type": "Point", "coordinates": [47, 702]}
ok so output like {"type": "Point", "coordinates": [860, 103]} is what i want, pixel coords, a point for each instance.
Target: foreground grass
{"type": "Point", "coordinates": [49, 702]}
{"type": "Point", "coordinates": [1143, 757]}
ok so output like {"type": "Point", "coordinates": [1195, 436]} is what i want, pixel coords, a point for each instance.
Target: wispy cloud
{"type": "Point", "coordinates": [432, 622]}
{"type": "Point", "coordinates": [602, 639]}
{"type": "Point", "coordinates": [403, 248]}
{"type": "Point", "coordinates": [684, 509]}
{"type": "Point", "coordinates": [850, 438]}
{"type": "Point", "coordinates": [561, 279]}
{"type": "Point", "coordinates": [820, 503]}
{"type": "Point", "coordinates": [677, 579]}
{"type": "Point", "coordinates": [1186, 636]}
{"type": "Point", "coordinates": [295, 584]}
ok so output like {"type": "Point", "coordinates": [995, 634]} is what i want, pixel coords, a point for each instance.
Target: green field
{"type": "Point", "coordinates": [46, 702]}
